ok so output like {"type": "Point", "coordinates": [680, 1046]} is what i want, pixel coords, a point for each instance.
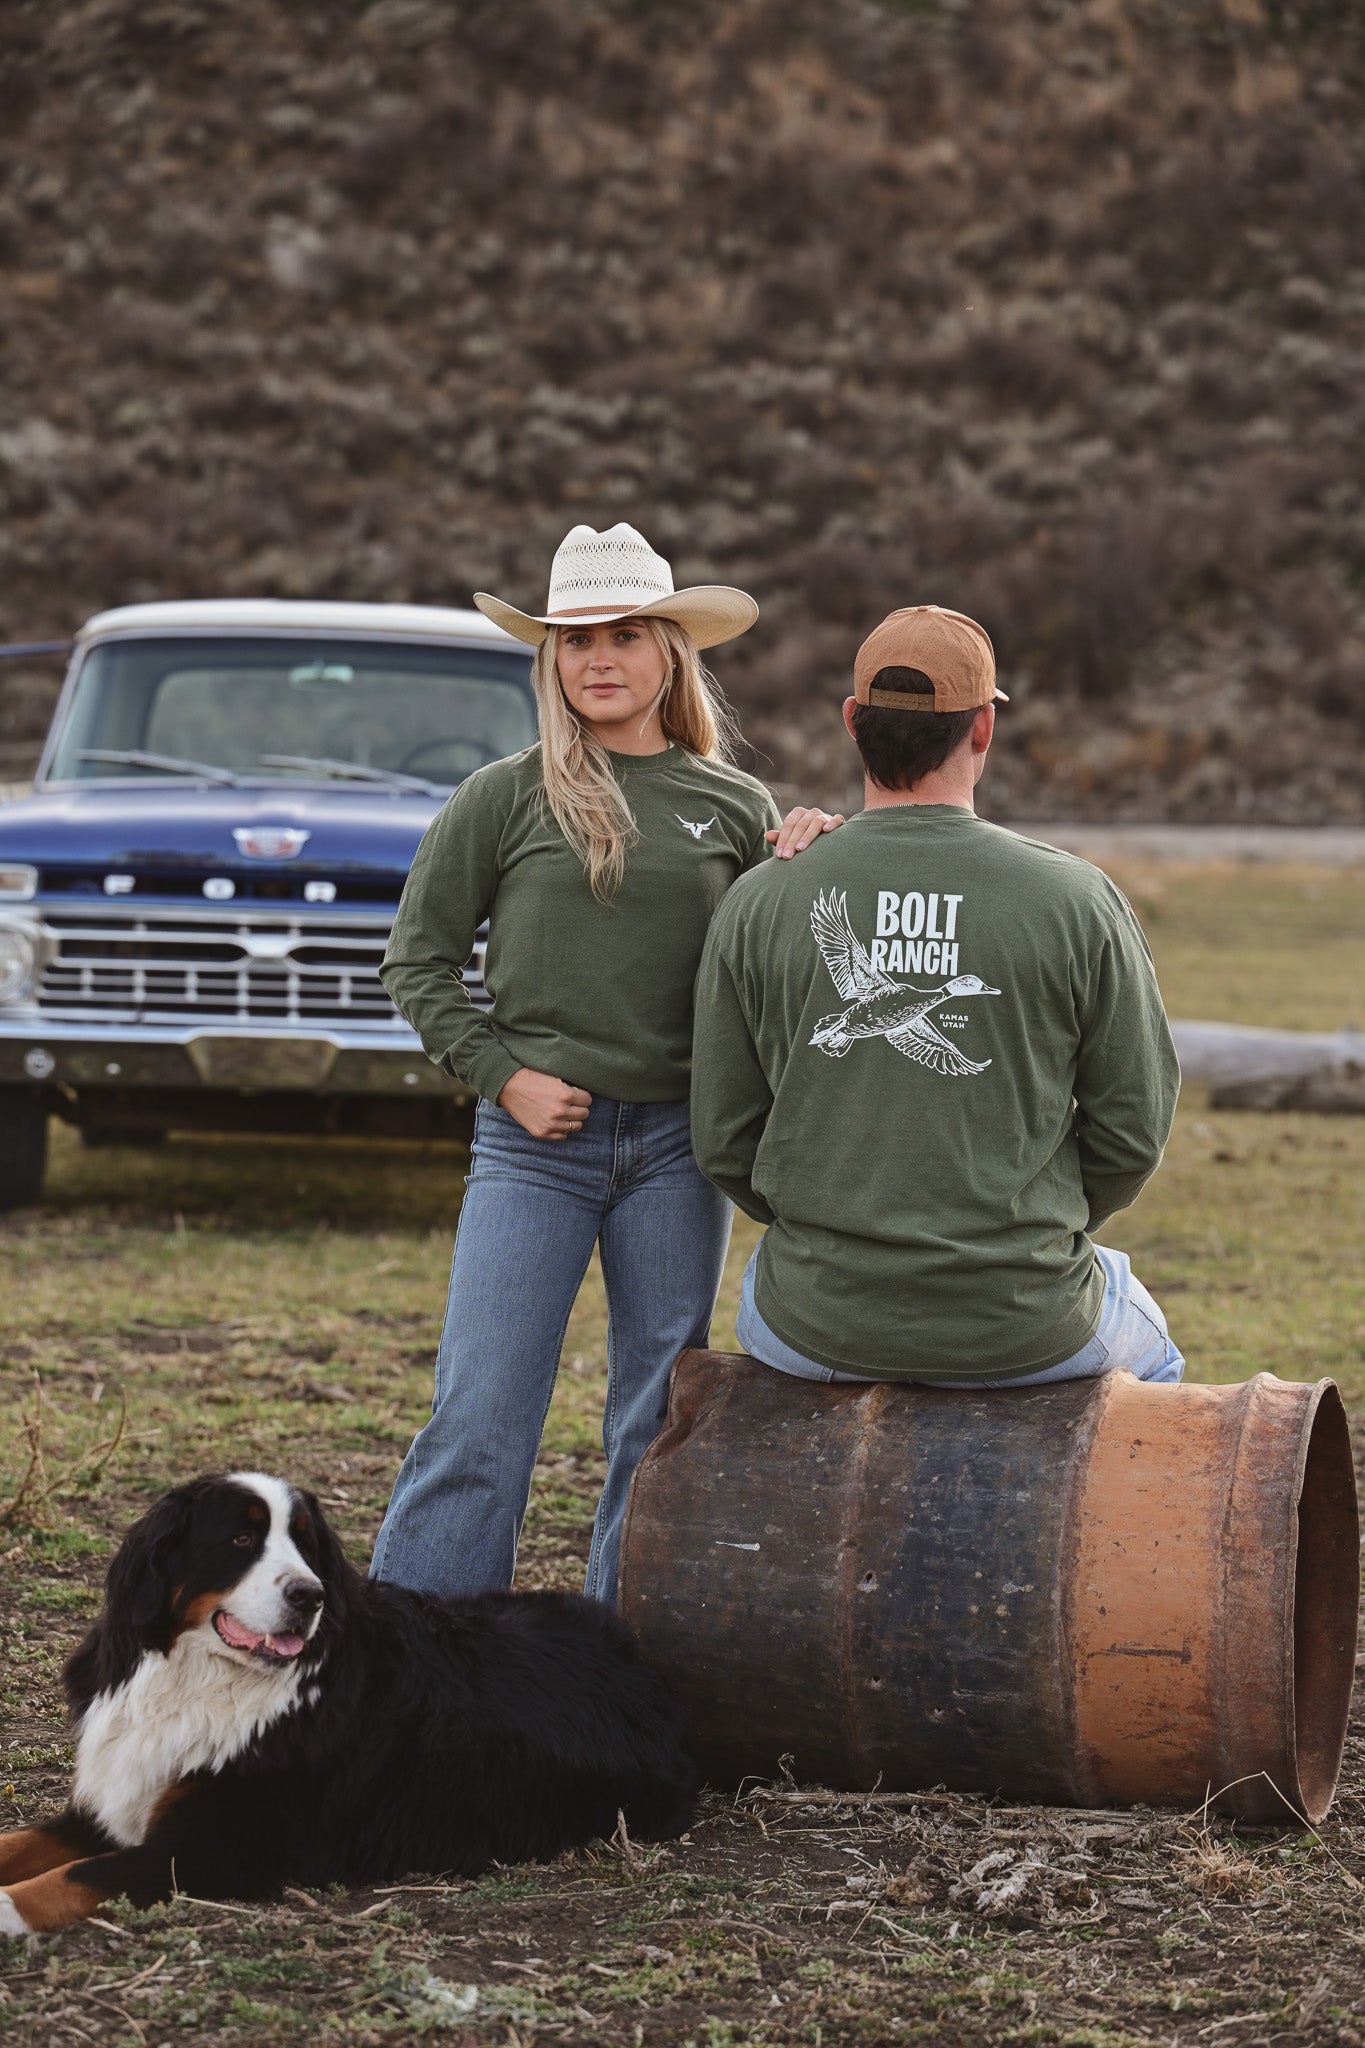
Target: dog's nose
{"type": "Point", "coordinates": [304, 1596]}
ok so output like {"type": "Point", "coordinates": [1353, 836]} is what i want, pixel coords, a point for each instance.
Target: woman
{"type": "Point", "coordinates": [598, 858]}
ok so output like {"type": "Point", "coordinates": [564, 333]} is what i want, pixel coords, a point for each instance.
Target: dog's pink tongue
{"type": "Point", "coordinates": [284, 1646]}
{"type": "Point", "coordinates": [232, 1631]}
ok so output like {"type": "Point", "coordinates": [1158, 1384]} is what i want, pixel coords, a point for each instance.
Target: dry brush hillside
{"type": "Point", "coordinates": [1050, 309]}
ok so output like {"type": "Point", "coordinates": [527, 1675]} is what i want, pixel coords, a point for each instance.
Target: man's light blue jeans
{"type": "Point", "coordinates": [1131, 1337]}
{"type": "Point", "coordinates": [533, 1210]}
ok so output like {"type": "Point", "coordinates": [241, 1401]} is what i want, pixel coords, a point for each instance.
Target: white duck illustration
{"type": "Point", "coordinates": [877, 1006]}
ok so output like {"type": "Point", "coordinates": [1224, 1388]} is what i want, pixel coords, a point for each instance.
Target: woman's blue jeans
{"type": "Point", "coordinates": [533, 1210]}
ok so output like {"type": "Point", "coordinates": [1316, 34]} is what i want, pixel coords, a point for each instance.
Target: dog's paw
{"type": "Point", "coordinates": [10, 1919]}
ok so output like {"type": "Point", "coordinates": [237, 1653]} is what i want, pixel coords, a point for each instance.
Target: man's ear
{"type": "Point", "coordinates": [850, 706]}
{"type": "Point", "coordinates": [983, 728]}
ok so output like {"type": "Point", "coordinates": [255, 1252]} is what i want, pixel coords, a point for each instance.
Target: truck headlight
{"type": "Point", "coordinates": [18, 881]}
{"type": "Point", "coordinates": [18, 962]}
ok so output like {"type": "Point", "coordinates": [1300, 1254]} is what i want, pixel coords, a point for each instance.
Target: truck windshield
{"type": "Point", "coordinates": [271, 709]}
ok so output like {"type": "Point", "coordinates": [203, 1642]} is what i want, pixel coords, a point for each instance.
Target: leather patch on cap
{"type": "Point", "coordinates": [902, 700]}
{"type": "Point", "coordinates": [916, 691]}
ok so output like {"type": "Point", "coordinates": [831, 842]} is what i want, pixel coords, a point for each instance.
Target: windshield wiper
{"type": "Point", "coordinates": [355, 770]}
{"type": "Point", "coordinates": [169, 764]}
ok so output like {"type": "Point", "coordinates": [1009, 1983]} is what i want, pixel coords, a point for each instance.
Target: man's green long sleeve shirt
{"type": "Point", "coordinates": [932, 1057]}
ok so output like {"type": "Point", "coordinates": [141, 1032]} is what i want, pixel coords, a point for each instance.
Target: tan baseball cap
{"type": "Point", "coordinates": [951, 649]}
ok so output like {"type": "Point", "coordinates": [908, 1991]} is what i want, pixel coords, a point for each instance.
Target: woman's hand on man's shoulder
{"type": "Point", "coordinates": [802, 826]}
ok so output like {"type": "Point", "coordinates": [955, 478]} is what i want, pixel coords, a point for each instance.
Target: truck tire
{"type": "Point", "coordinates": [23, 1146]}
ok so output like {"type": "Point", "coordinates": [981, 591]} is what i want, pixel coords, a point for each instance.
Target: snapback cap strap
{"type": "Point", "coordinates": [914, 687]}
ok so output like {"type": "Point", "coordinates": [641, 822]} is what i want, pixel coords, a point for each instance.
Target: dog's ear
{"type": "Point", "coordinates": [143, 1572]}
{"type": "Point", "coordinates": [333, 1562]}
{"type": "Point", "coordinates": [334, 1568]}
{"type": "Point", "coordinates": [137, 1602]}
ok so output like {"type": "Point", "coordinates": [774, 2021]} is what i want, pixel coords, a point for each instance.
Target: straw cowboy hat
{"type": "Point", "coordinates": [598, 577]}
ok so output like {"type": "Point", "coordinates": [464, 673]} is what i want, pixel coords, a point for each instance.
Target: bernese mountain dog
{"type": "Point", "coordinates": [251, 1713]}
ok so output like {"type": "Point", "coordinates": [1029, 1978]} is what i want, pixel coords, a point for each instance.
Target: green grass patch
{"type": "Point", "coordinates": [278, 1304]}
{"type": "Point", "coordinates": [1254, 944]}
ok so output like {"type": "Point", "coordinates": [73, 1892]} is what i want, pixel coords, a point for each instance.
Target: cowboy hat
{"type": "Point", "coordinates": [596, 578]}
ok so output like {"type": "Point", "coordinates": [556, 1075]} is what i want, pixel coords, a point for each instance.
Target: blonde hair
{"type": "Point", "coordinates": [586, 800]}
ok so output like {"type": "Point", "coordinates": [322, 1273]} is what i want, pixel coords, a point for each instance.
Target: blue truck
{"type": "Point", "coordinates": [196, 894]}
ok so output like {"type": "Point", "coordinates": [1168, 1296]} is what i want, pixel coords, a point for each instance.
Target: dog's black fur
{"type": "Point", "coordinates": [425, 1735]}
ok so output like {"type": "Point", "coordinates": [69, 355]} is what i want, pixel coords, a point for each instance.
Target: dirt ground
{"type": "Point", "coordinates": [787, 1915]}
{"type": "Point", "coordinates": [277, 1304]}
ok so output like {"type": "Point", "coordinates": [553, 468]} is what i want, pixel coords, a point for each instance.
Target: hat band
{"type": "Point", "coordinates": [903, 700]}
{"type": "Point", "coordinates": [594, 611]}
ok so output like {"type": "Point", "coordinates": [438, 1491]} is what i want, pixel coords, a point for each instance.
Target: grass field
{"type": "Point", "coordinates": [277, 1304]}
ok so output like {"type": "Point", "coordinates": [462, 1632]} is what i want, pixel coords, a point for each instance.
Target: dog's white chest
{"type": "Point", "coordinates": [191, 1711]}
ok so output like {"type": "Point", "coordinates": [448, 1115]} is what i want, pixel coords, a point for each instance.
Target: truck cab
{"type": "Point", "coordinates": [196, 895]}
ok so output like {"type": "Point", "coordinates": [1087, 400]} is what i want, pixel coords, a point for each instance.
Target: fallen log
{"type": "Point", "coordinates": [1248, 1068]}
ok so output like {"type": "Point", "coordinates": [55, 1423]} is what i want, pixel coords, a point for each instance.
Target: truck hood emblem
{"type": "Point", "coordinates": [270, 842]}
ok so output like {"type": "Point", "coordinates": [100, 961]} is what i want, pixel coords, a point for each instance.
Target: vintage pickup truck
{"type": "Point", "coordinates": [196, 895]}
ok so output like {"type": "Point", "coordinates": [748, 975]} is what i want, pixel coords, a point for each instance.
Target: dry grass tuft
{"type": "Point", "coordinates": [32, 1502]}
{"type": "Point", "coordinates": [1218, 1868]}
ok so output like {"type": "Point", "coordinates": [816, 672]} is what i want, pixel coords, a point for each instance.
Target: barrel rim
{"type": "Point", "coordinates": [1320, 1600]}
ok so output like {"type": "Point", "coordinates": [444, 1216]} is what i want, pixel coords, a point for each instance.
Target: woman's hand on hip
{"type": "Point", "coordinates": [801, 827]}
{"type": "Point", "coordinates": [545, 1107]}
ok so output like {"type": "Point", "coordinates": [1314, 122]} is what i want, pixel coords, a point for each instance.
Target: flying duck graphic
{"type": "Point", "coordinates": [877, 1006]}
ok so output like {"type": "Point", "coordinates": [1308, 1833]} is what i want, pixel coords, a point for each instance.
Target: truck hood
{"type": "Point", "coordinates": [352, 827]}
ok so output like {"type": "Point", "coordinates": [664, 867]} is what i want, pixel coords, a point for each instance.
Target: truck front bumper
{"type": "Point", "coordinates": [83, 1058]}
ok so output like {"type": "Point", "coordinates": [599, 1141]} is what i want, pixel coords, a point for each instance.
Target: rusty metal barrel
{"type": "Point", "coordinates": [1100, 1592]}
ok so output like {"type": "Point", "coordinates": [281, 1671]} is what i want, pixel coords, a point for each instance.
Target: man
{"type": "Point", "coordinates": [933, 1059]}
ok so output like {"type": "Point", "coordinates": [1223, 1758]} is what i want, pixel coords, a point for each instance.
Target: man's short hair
{"type": "Point", "coordinates": [899, 748]}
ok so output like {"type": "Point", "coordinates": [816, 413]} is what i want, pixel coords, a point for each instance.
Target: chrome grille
{"type": "Point", "coordinates": [228, 970]}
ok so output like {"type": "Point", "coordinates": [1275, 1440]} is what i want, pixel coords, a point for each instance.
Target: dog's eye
{"type": "Point", "coordinates": [244, 1541]}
